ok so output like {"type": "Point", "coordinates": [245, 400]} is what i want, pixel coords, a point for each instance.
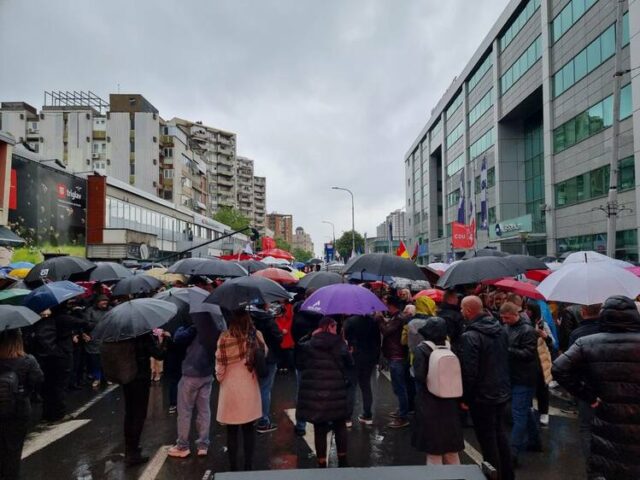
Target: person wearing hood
{"type": "Point", "coordinates": [94, 316]}
{"type": "Point", "coordinates": [485, 378]}
{"type": "Point", "coordinates": [449, 309]}
{"type": "Point", "coordinates": [603, 369]}
{"type": "Point", "coordinates": [323, 400]}
{"type": "Point", "coordinates": [437, 430]}
{"type": "Point", "coordinates": [425, 308]}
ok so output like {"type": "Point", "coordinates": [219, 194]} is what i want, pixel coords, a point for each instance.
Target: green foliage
{"type": "Point", "coordinates": [283, 245]}
{"type": "Point", "coordinates": [34, 254]}
{"type": "Point", "coordinates": [232, 217]}
{"type": "Point", "coordinates": [302, 255]}
{"type": "Point", "coordinates": [344, 243]}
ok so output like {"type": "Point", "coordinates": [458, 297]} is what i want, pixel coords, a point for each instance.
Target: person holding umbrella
{"type": "Point", "coordinates": [94, 315]}
{"type": "Point", "coordinates": [19, 371]}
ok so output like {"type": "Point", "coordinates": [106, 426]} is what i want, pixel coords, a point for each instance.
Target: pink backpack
{"type": "Point", "coordinates": [444, 379]}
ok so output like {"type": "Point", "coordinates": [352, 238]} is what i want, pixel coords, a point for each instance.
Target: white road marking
{"type": "Point", "coordinates": [155, 465]}
{"type": "Point", "coordinates": [474, 454]}
{"type": "Point", "coordinates": [309, 434]}
{"type": "Point", "coordinates": [50, 435]}
{"type": "Point", "coordinates": [386, 374]}
{"type": "Point", "coordinates": [93, 401]}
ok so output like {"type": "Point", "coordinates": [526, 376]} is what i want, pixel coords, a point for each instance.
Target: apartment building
{"type": "Point", "coordinates": [259, 203]}
{"type": "Point", "coordinates": [529, 117]}
{"type": "Point", "coordinates": [282, 226]}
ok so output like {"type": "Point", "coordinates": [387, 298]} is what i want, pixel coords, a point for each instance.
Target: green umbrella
{"type": "Point", "coordinates": [14, 296]}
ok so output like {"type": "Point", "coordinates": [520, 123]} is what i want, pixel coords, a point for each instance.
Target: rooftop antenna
{"type": "Point", "coordinates": [118, 88]}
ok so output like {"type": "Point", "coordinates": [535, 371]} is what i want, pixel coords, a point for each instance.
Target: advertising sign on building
{"type": "Point", "coordinates": [329, 252]}
{"type": "Point", "coordinates": [511, 228]}
{"type": "Point", "coordinates": [47, 207]}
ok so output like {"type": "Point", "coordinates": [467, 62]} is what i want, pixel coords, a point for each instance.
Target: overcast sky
{"type": "Point", "coordinates": [320, 93]}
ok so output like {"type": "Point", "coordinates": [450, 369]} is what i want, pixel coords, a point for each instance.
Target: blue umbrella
{"type": "Point", "coordinates": [298, 265]}
{"type": "Point", "coordinates": [21, 265]}
{"type": "Point", "coordinates": [52, 294]}
{"type": "Point", "coordinates": [343, 299]}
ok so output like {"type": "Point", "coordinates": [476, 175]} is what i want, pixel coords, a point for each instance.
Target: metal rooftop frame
{"type": "Point", "coordinates": [75, 99]}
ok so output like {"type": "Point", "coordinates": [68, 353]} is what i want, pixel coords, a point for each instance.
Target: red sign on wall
{"type": "Point", "coordinates": [463, 236]}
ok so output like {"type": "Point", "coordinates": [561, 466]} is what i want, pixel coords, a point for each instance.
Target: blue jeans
{"type": "Point", "coordinates": [194, 392]}
{"type": "Point", "coordinates": [266, 385]}
{"type": "Point", "coordinates": [525, 426]}
{"type": "Point", "coordinates": [398, 370]}
{"type": "Point", "coordinates": [300, 425]}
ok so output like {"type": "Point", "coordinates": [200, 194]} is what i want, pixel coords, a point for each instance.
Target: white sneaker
{"type": "Point", "coordinates": [202, 452]}
{"type": "Point", "coordinates": [544, 419]}
{"type": "Point", "coordinates": [178, 452]}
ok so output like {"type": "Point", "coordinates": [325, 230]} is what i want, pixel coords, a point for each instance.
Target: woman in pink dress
{"type": "Point", "coordinates": [239, 404]}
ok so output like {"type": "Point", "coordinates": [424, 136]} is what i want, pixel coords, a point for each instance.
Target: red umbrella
{"type": "Point", "coordinates": [634, 270]}
{"type": "Point", "coordinates": [537, 275]}
{"type": "Point", "coordinates": [276, 274]}
{"type": "Point", "coordinates": [521, 288]}
{"type": "Point", "coordinates": [433, 293]}
{"type": "Point", "coordinates": [277, 253]}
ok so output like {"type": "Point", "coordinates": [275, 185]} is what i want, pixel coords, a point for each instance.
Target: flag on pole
{"type": "Point", "coordinates": [402, 250]}
{"type": "Point", "coordinates": [461, 210]}
{"type": "Point", "coordinates": [484, 224]}
{"type": "Point", "coordinates": [390, 237]}
{"type": "Point", "coordinates": [416, 249]}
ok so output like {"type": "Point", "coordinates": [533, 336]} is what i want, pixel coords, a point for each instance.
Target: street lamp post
{"type": "Point", "coordinates": [333, 229]}
{"type": "Point", "coordinates": [353, 221]}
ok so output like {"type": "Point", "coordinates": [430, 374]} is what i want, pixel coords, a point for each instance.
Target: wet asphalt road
{"type": "Point", "coordinates": [91, 445]}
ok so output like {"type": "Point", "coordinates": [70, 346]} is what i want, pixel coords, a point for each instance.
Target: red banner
{"type": "Point", "coordinates": [462, 236]}
{"type": "Point", "coordinates": [268, 243]}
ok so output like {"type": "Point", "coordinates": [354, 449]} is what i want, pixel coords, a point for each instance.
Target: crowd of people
{"type": "Point", "coordinates": [509, 351]}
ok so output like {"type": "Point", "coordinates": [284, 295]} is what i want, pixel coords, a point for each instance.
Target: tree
{"type": "Point", "coordinates": [231, 217]}
{"type": "Point", "coordinates": [302, 255]}
{"type": "Point", "coordinates": [283, 245]}
{"type": "Point", "coordinates": [344, 243]}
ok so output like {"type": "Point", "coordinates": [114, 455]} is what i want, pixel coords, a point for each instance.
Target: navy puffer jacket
{"type": "Point", "coordinates": [606, 366]}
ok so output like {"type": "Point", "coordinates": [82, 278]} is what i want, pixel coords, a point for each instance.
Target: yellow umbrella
{"type": "Point", "coordinates": [19, 272]}
{"type": "Point", "coordinates": [298, 274]}
{"type": "Point", "coordinates": [155, 272]}
{"type": "Point", "coordinates": [172, 278]}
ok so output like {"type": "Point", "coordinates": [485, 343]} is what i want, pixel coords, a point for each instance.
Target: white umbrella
{"type": "Point", "coordinates": [589, 283]}
{"type": "Point", "coordinates": [553, 266]}
{"type": "Point", "coordinates": [591, 256]}
{"type": "Point", "coordinates": [439, 266]}
{"type": "Point", "coordinates": [274, 261]}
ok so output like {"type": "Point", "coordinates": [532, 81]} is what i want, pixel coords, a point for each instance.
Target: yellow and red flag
{"type": "Point", "coordinates": [402, 251]}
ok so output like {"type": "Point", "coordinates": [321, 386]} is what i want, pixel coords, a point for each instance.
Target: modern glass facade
{"type": "Point", "coordinates": [626, 244]}
{"type": "Point", "coordinates": [455, 166]}
{"type": "Point", "coordinates": [480, 108]}
{"type": "Point", "coordinates": [568, 16]}
{"type": "Point", "coordinates": [534, 173]}
{"type": "Point", "coordinates": [482, 144]}
{"type": "Point", "coordinates": [519, 22]}
{"type": "Point", "coordinates": [521, 66]}
{"type": "Point", "coordinates": [455, 134]}
{"type": "Point", "coordinates": [479, 74]}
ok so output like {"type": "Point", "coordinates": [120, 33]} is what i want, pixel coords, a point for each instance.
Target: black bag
{"type": "Point", "coordinates": [259, 363]}
{"type": "Point", "coordinates": [9, 393]}
{"type": "Point", "coordinates": [119, 361]}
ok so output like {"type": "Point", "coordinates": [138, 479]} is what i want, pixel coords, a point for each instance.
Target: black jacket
{"type": "Point", "coordinates": [147, 346]}
{"type": "Point", "coordinates": [455, 324]}
{"type": "Point", "coordinates": [325, 364]}
{"type": "Point", "coordinates": [485, 361]}
{"type": "Point", "coordinates": [304, 322]}
{"type": "Point", "coordinates": [606, 366]}
{"type": "Point", "coordinates": [363, 336]}
{"type": "Point", "coordinates": [523, 354]}
{"type": "Point", "coordinates": [588, 326]}
{"type": "Point", "coordinates": [266, 324]}
{"type": "Point", "coordinates": [53, 335]}
{"type": "Point", "coordinates": [30, 377]}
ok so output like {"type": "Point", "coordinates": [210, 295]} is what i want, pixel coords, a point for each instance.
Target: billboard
{"type": "Point", "coordinates": [510, 228]}
{"type": "Point", "coordinates": [47, 206]}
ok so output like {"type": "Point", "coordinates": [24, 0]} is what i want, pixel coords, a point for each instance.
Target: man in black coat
{"type": "Point", "coordinates": [523, 372]}
{"type": "Point", "coordinates": [604, 371]}
{"type": "Point", "coordinates": [486, 386]}
{"type": "Point", "coordinates": [265, 323]}
{"type": "Point", "coordinates": [450, 311]}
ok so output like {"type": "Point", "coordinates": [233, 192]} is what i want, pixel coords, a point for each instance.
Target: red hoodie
{"type": "Point", "coordinates": [284, 322]}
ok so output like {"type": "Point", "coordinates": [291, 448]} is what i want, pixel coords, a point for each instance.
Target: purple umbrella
{"type": "Point", "coordinates": [343, 299]}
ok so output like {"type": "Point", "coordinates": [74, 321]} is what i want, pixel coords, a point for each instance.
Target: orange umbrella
{"type": "Point", "coordinates": [276, 274]}
{"type": "Point", "coordinates": [433, 293]}
{"type": "Point", "coordinates": [277, 253]}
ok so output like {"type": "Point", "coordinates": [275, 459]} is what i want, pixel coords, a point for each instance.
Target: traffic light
{"type": "Point", "coordinates": [255, 234]}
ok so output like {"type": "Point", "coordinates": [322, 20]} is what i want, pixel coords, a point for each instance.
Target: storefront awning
{"type": "Point", "coordinates": [9, 239]}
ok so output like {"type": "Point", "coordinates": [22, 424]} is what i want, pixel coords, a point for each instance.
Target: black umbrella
{"type": "Point", "coordinates": [476, 270]}
{"type": "Point", "coordinates": [190, 296]}
{"type": "Point", "coordinates": [526, 262]}
{"type": "Point", "coordinates": [182, 317]}
{"type": "Point", "coordinates": [133, 318]}
{"type": "Point", "coordinates": [244, 291]}
{"type": "Point", "coordinates": [384, 265]}
{"type": "Point", "coordinates": [314, 261]}
{"type": "Point", "coordinates": [12, 317]}
{"type": "Point", "coordinates": [109, 272]}
{"type": "Point", "coordinates": [485, 252]}
{"type": "Point", "coordinates": [136, 284]}
{"type": "Point", "coordinates": [208, 268]}
{"type": "Point", "coordinates": [252, 266]}
{"type": "Point", "coordinates": [319, 279]}
{"type": "Point", "coordinates": [210, 323]}
{"type": "Point", "coordinates": [60, 268]}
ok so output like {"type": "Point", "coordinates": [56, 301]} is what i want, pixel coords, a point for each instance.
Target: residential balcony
{"type": "Point", "coordinates": [224, 170]}
{"type": "Point", "coordinates": [166, 140]}
{"type": "Point", "coordinates": [226, 201]}
{"type": "Point", "coordinates": [224, 160]}
{"type": "Point", "coordinates": [225, 181]}
{"type": "Point", "coordinates": [99, 134]}
{"type": "Point", "coordinates": [225, 150]}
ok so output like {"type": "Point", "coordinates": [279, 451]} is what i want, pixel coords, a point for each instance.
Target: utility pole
{"type": "Point", "coordinates": [612, 206]}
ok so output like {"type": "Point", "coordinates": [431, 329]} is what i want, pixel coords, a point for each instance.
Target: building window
{"type": "Point", "coordinates": [455, 134]}
{"type": "Point", "coordinates": [132, 168]}
{"type": "Point", "coordinates": [132, 145]}
{"type": "Point", "coordinates": [594, 184]}
{"type": "Point", "coordinates": [568, 16]}
{"type": "Point", "coordinates": [482, 144]}
{"type": "Point", "coordinates": [453, 198]}
{"type": "Point", "coordinates": [455, 166]}
{"type": "Point", "coordinates": [132, 121]}
{"type": "Point", "coordinates": [455, 105]}
{"type": "Point", "coordinates": [491, 179]}
{"type": "Point", "coordinates": [168, 173]}
{"type": "Point", "coordinates": [521, 65]}
{"type": "Point", "coordinates": [626, 243]}
{"type": "Point", "coordinates": [479, 74]}
{"type": "Point", "coordinates": [480, 108]}
{"type": "Point", "coordinates": [518, 23]}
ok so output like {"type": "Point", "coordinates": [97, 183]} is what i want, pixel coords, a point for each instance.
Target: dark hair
{"type": "Point", "coordinates": [393, 300]}
{"type": "Point", "coordinates": [534, 308]}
